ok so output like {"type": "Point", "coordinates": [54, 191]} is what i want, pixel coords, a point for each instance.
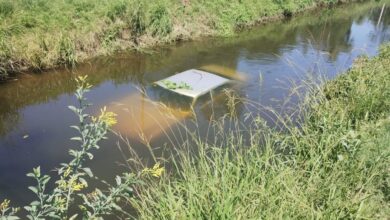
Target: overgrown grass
{"type": "Point", "coordinates": [333, 164]}
{"type": "Point", "coordinates": [40, 34]}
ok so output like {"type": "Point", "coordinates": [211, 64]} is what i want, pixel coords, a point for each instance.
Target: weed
{"type": "Point", "coordinates": [118, 10]}
{"type": "Point", "coordinates": [6, 8]}
{"type": "Point", "coordinates": [160, 23]}
{"type": "Point", "coordinates": [71, 184]}
{"type": "Point", "coordinates": [173, 85]}
{"type": "Point", "coordinates": [67, 51]}
{"type": "Point", "coordinates": [147, 23]}
{"type": "Point", "coordinates": [138, 19]}
{"type": "Point", "coordinates": [332, 164]}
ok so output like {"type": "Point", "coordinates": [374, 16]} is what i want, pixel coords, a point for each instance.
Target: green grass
{"type": "Point", "coordinates": [40, 34]}
{"type": "Point", "coordinates": [333, 164]}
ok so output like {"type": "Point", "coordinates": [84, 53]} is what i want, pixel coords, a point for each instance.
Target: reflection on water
{"type": "Point", "coordinates": [265, 63]}
{"type": "Point", "coordinates": [141, 118]}
{"type": "Point", "coordinates": [225, 71]}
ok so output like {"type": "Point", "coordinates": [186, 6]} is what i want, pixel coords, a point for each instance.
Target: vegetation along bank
{"type": "Point", "coordinates": [40, 34]}
{"type": "Point", "coordinates": [334, 165]}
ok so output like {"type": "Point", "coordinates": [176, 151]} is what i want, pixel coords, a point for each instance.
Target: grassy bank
{"type": "Point", "coordinates": [335, 165]}
{"type": "Point", "coordinates": [39, 34]}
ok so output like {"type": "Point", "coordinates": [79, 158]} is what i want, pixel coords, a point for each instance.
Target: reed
{"type": "Point", "coordinates": [331, 163]}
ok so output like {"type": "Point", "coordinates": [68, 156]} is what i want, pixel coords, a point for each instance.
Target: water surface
{"type": "Point", "coordinates": [266, 61]}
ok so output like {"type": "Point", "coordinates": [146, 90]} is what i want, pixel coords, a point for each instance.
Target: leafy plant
{"type": "Point", "coordinates": [172, 85]}
{"type": "Point", "coordinates": [6, 212]}
{"type": "Point", "coordinates": [72, 184]}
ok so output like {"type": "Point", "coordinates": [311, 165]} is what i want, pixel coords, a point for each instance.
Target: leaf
{"type": "Point", "coordinates": [45, 179]}
{"type": "Point", "coordinates": [86, 201]}
{"type": "Point", "coordinates": [129, 189]}
{"type": "Point", "coordinates": [76, 139]}
{"type": "Point", "coordinates": [83, 181]}
{"type": "Point", "coordinates": [88, 171]}
{"type": "Point", "coordinates": [34, 189]}
{"type": "Point", "coordinates": [37, 171]}
{"type": "Point", "coordinates": [90, 156]}
{"type": "Point", "coordinates": [118, 180]}
{"type": "Point", "coordinates": [73, 153]}
{"type": "Point", "coordinates": [75, 127]}
{"type": "Point", "coordinates": [28, 208]}
{"type": "Point", "coordinates": [74, 109]}
{"type": "Point", "coordinates": [116, 207]}
{"type": "Point", "coordinates": [73, 217]}
{"type": "Point", "coordinates": [34, 203]}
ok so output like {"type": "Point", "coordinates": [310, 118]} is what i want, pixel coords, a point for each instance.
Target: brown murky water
{"type": "Point", "coordinates": [264, 62]}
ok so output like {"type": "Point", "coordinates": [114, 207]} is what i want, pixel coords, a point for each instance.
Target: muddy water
{"type": "Point", "coordinates": [264, 63]}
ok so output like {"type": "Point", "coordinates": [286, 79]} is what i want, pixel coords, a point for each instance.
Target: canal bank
{"type": "Point", "coordinates": [333, 165]}
{"type": "Point", "coordinates": [43, 35]}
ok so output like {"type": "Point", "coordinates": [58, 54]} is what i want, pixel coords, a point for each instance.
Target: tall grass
{"type": "Point", "coordinates": [332, 164]}
{"type": "Point", "coordinates": [39, 34]}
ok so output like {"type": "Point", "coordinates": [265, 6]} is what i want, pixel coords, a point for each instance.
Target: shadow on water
{"type": "Point", "coordinates": [265, 62]}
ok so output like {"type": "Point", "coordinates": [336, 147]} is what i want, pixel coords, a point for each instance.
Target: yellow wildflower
{"type": "Point", "coordinates": [156, 171]}
{"type": "Point", "coordinates": [71, 183]}
{"type": "Point", "coordinates": [78, 186]}
{"type": "Point", "coordinates": [82, 81]}
{"type": "Point", "coordinates": [4, 205]}
{"type": "Point", "coordinates": [62, 184]}
{"type": "Point", "coordinates": [82, 78]}
{"type": "Point", "coordinates": [107, 117]}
